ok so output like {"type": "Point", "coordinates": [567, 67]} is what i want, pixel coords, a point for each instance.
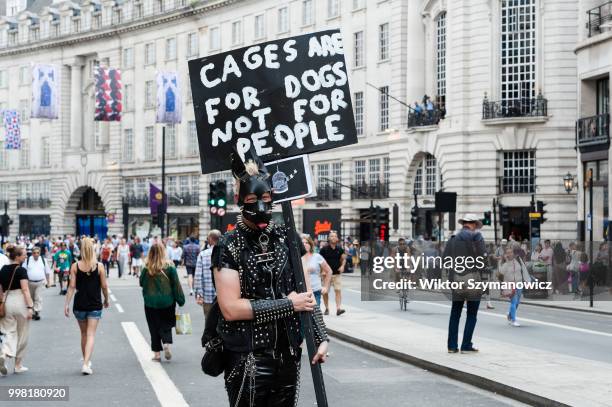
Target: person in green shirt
{"type": "Point", "coordinates": [161, 290]}
{"type": "Point", "coordinates": [62, 260]}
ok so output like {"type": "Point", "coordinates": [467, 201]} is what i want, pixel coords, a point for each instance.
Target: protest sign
{"type": "Point", "coordinates": [286, 97]}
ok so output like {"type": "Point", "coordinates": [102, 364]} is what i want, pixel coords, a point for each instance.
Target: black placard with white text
{"type": "Point", "coordinates": [286, 97]}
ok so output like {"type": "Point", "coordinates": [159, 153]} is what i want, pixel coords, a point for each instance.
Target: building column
{"type": "Point", "coordinates": [76, 103]}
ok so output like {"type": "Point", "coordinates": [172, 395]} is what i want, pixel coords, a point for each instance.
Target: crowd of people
{"type": "Point", "coordinates": [80, 266]}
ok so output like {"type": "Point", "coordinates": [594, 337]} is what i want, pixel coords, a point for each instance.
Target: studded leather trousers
{"type": "Point", "coordinates": [274, 381]}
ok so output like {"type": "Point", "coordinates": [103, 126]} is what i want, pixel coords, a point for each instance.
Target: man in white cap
{"type": "Point", "coordinates": [467, 243]}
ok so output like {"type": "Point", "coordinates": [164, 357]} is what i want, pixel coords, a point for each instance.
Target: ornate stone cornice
{"type": "Point", "coordinates": [116, 30]}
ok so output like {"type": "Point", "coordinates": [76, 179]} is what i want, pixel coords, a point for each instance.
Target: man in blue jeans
{"type": "Point", "coordinates": [467, 243]}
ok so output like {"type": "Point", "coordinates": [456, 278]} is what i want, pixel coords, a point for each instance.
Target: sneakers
{"type": "Point", "coordinates": [340, 312]}
{"type": "Point", "coordinates": [86, 370]}
{"type": "Point", "coordinates": [21, 369]}
{"type": "Point", "coordinates": [490, 306]}
{"type": "Point", "coordinates": [469, 350]}
{"type": "Point", "coordinates": [455, 350]}
{"type": "Point", "coordinates": [326, 312]}
{"type": "Point", "coordinates": [515, 323]}
{"type": "Point", "coordinates": [167, 353]}
{"type": "Point", "coordinates": [3, 369]}
{"type": "Point", "coordinates": [191, 292]}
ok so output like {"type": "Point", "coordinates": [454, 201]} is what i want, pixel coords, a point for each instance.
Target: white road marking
{"type": "Point", "coordinates": [112, 297]}
{"type": "Point", "coordinates": [166, 391]}
{"type": "Point", "coordinates": [533, 321]}
{"type": "Point", "coordinates": [119, 307]}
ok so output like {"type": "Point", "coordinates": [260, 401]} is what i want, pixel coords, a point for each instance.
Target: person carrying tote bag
{"type": "Point", "coordinates": [161, 290]}
{"type": "Point", "coordinates": [17, 309]}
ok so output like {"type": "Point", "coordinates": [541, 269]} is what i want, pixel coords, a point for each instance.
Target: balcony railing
{"type": "Point", "coordinates": [424, 117]}
{"type": "Point", "coordinates": [503, 109]}
{"type": "Point", "coordinates": [141, 201]}
{"type": "Point", "coordinates": [327, 193]}
{"type": "Point", "coordinates": [593, 131]}
{"type": "Point", "coordinates": [186, 199]}
{"type": "Point", "coordinates": [599, 18]}
{"type": "Point", "coordinates": [32, 203]}
{"type": "Point", "coordinates": [515, 185]}
{"type": "Point", "coordinates": [378, 190]}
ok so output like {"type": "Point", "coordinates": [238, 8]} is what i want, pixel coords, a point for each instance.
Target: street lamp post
{"type": "Point", "coordinates": [590, 180]}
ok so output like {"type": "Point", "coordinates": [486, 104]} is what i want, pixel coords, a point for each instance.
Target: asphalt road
{"type": "Point", "coordinates": [575, 333]}
{"type": "Point", "coordinates": [124, 376]}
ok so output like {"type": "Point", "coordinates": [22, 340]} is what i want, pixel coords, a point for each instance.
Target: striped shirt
{"type": "Point", "coordinates": [202, 280]}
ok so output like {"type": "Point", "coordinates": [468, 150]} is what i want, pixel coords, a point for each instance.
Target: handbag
{"type": "Point", "coordinates": [5, 296]}
{"type": "Point", "coordinates": [183, 323]}
{"type": "Point", "coordinates": [214, 360]}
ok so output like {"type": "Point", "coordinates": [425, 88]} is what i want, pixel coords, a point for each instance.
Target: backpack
{"type": "Point", "coordinates": [464, 248]}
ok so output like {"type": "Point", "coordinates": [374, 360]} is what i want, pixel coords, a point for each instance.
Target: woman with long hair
{"type": "Point", "coordinates": [316, 266]}
{"type": "Point", "coordinates": [161, 290]}
{"type": "Point", "coordinates": [18, 309]}
{"type": "Point", "coordinates": [88, 279]}
{"type": "Point", "coordinates": [559, 266]}
{"type": "Point", "coordinates": [512, 271]}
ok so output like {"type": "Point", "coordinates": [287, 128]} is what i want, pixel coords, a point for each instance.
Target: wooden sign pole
{"type": "Point", "coordinates": [296, 265]}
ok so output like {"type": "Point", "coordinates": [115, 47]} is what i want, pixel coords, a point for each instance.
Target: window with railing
{"type": "Point", "coordinates": [33, 195]}
{"type": "Point", "coordinates": [371, 178]}
{"type": "Point", "coordinates": [518, 172]}
{"type": "Point", "coordinates": [504, 109]}
{"type": "Point", "coordinates": [599, 19]}
{"type": "Point", "coordinates": [518, 50]}
{"type": "Point", "coordinates": [329, 179]}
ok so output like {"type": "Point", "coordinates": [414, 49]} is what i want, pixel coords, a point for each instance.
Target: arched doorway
{"type": "Point", "coordinates": [90, 215]}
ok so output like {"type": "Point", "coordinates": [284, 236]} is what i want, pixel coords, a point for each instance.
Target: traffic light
{"type": "Point", "coordinates": [540, 206]}
{"type": "Point", "coordinates": [487, 218]}
{"type": "Point", "coordinates": [414, 216]}
{"type": "Point", "coordinates": [211, 194]}
{"type": "Point", "coordinates": [221, 194]}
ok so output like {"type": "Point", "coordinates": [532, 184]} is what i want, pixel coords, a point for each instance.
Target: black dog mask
{"type": "Point", "coordinates": [258, 212]}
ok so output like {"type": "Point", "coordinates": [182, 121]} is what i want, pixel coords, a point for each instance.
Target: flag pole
{"type": "Point", "coordinates": [163, 182]}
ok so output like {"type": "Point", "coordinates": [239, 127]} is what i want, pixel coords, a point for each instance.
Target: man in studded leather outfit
{"type": "Point", "coordinates": [256, 291]}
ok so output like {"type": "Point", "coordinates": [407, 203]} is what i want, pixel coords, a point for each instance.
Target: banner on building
{"type": "Point", "coordinates": [169, 108]}
{"type": "Point", "coordinates": [156, 199]}
{"type": "Point", "coordinates": [12, 130]}
{"type": "Point", "coordinates": [45, 91]}
{"type": "Point", "coordinates": [108, 94]}
{"type": "Point", "coordinates": [286, 97]}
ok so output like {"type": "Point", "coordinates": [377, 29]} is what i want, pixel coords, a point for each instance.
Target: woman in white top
{"type": "Point", "coordinates": [176, 254]}
{"type": "Point", "coordinates": [123, 257]}
{"type": "Point", "coordinates": [512, 271]}
{"type": "Point", "coordinates": [316, 265]}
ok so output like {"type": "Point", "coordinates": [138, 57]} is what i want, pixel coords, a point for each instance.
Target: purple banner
{"type": "Point", "coordinates": [156, 199]}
